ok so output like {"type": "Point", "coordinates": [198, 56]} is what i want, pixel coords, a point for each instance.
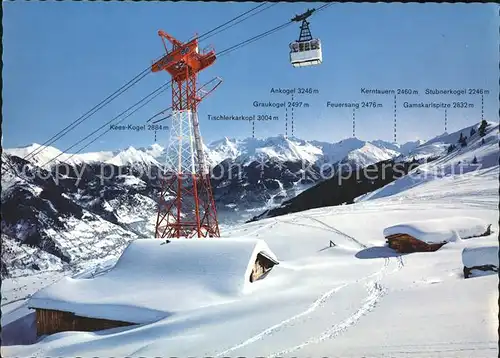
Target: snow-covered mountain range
{"type": "Point", "coordinates": [64, 210]}
{"type": "Point", "coordinates": [242, 151]}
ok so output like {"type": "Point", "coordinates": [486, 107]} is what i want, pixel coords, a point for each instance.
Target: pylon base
{"type": "Point", "coordinates": [186, 207]}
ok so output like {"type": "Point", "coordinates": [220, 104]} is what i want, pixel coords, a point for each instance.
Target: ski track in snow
{"type": "Point", "coordinates": [313, 306]}
{"type": "Point", "coordinates": [321, 300]}
{"type": "Point", "coordinates": [375, 292]}
{"type": "Point", "coordinates": [333, 229]}
{"type": "Point", "coordinates": [260, 228]}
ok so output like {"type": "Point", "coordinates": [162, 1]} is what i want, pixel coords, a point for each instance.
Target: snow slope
{"type": "Point", "coordinates": [438, 146]}
{"type": "Point", "coordinates": [457, 163]}
{"type": "Point", "coordinates": [355, 299]}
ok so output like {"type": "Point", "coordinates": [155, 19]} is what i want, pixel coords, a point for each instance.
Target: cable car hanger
{"type": "Point", "coordinates": [304, 16]}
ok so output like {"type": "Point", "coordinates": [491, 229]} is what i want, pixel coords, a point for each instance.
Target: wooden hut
{"type": "Point", "coordinates": [404, 243]}
{"type": "Point", "coordinates": [53, 321]}
{"type": "Point", "coordinates": [431, 234]}
{"type": "Point", "coordinates": [163, 273]}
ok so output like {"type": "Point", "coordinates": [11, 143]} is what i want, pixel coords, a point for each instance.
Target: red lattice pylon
{"type": "Point", "coordinates": [186, 206]}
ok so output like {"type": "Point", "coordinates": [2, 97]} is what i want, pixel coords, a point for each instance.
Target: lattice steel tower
{"type": "Point", "coordinates": [186, 206]}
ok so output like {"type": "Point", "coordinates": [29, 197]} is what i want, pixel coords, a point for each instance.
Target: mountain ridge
{"type": "Point", "coordinates": [241, 150]}
{"type": "Point", "coordinates": [443, 152]}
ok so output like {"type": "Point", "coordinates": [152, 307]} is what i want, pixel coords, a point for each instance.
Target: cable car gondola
{"type": "Point", "coordinates": [306, 51]}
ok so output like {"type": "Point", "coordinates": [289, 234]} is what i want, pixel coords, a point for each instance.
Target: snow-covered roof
{"type": "Point", "coordinates": [152, 280]}
{"type": "Point", "coordinates": [480, 256]}
{"type": "Point", "coordinates": [440, 230]}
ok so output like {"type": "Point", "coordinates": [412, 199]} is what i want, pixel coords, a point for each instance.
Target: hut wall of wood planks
{"type": "Point", "coordinates": [468, 270]}
{"type": "Point", "coordinates": [404, 243]}
{"type": "Point", "coordinates": [54, 321]}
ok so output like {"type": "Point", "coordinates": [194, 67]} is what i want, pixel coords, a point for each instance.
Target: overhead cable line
{"type": "Point", "coordinates": [227, 51]}
{"type": "Point", "coordinates": [235, 18]}
{"type": "Point", "coordinates": [240, 45]}
{"type": "Point", "coordinates": [125, 87]}
{"type": "Point", "coordinates": [222, 53]}
{"type": "Point", "coordinates": [88, 114]}
{"type": "Point", "coordinates": [250, 40]}
{"type": "Point", "coordinates": [113, 96]}
{"type": "Point", "coordinates": [159, 90]}
{"type": "Point", "coordinates": [246, 18]}
{"type": "Point", "coordinates": [120, 121]}
{"type": "Point", "coordinates": [264, 34]}
{"type": "Point", "coordinates": [162, 89]}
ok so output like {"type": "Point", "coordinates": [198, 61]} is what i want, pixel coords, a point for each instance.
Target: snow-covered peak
{"type": "Point", "coordinates": [404, 148]}
{"type": "Point", "coordinates": [410, 146]}
{"type": "Point", "coordinates": [354, 150]}
{"type": "Point", "coordinates": [37, 153]}
{"type": "Point", "coordinates": [286, 149]}
{"type": "Point", "coordinates": [277, 148]}
{"type": "Point", "coordinates": [47, 156]}
{"type": "Point", "coordinates": [222, 149]}
{"type": "Point", "coordinates": [155, 150]}
{"type": "Point", "coordinates": [131, 156]}
{"type": "Point", "coordinates": [369, 154]}
{"type": "Point", "coordinates": [249, 149]}
{"type": "Point", "coordinates": [222, 142]}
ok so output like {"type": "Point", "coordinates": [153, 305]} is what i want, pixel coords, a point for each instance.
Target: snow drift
{"type": "Point", "coordinates": [436, 231]}
{"type": "Point", "coordinates": [153, 279]}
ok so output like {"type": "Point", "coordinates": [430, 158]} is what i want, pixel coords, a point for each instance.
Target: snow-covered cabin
{"type": "Point", "coordinates": [151, 280]}
{"type": "Point", "coordinates": [432, 234]}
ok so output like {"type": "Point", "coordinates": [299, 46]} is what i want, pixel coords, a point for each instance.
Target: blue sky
{"type": "Point", "coordinates": [62, 58]}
